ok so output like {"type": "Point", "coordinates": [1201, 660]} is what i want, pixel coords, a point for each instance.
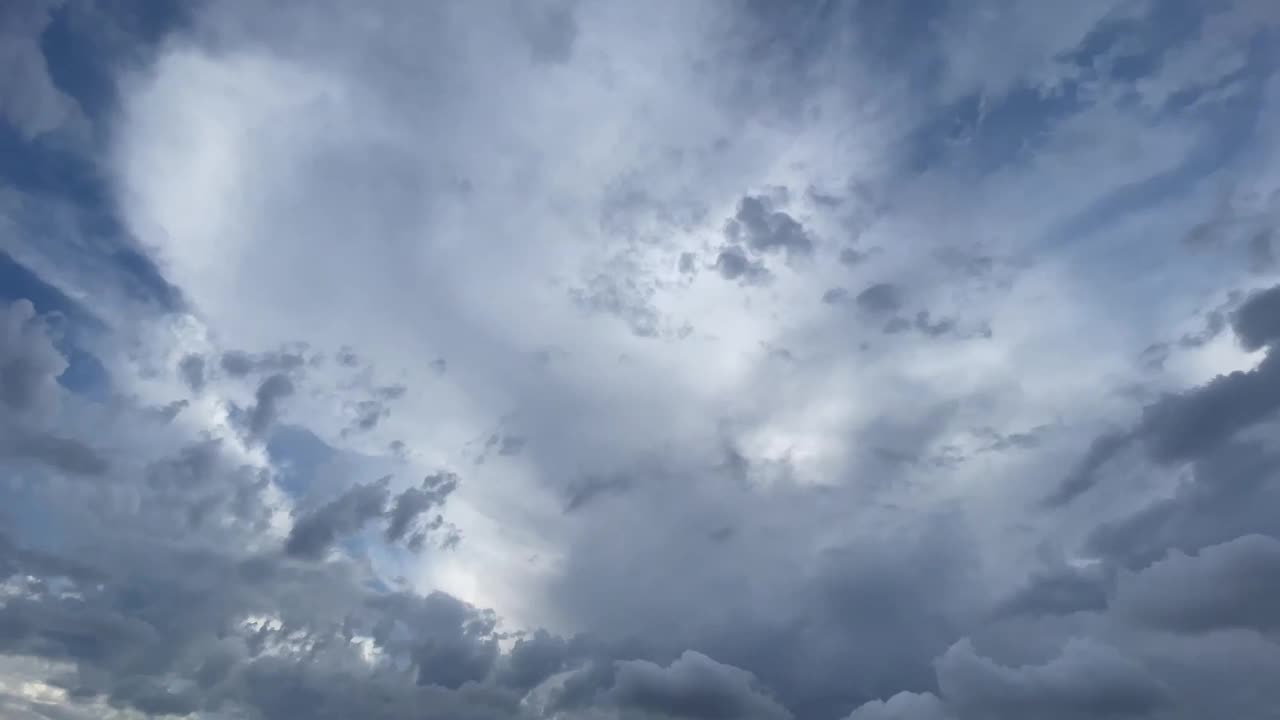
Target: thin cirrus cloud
{"type": "Point", "coordinates": [584, 359]}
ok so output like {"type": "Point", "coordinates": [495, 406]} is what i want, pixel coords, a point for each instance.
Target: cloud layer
{"type": "Point", "coordinates": [596, 360]}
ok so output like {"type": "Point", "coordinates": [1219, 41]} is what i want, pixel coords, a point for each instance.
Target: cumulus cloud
{"type": "Point", "coordinates": [1222, 586]}
{"type": "Point", "coordinates": [315, 532]}
{"type": "Point", "coordinates": [693, 686]}
{"type": "Point", "coordinates": [879, 298]}
{"type": "Point", "coordinates": [1182, 426]}
{"type": "Point", "coordinates": [1086, 680]}
{"type": "Point", "coordinates": [903, 706]}
{"type": "Point", "coordinates": [29, 370]}
{"type": "Point", "coordinates": [414, 502]}
{"type": "Point", "coordinates": [733, 264]}
{"type": "Point", "coordinates": [764, 230]}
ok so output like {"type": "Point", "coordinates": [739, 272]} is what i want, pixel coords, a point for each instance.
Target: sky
{"type": "Point", "coordinates": [607, 360]}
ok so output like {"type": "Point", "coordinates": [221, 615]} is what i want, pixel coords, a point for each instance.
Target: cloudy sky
{"type": "Point", "coordinates": [609, 360]}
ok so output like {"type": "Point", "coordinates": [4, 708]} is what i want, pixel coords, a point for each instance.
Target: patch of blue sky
{"type": "Point", "coordinates": [85, 45]}
{"type": "Point", "coordinates": [301, 455]}
{"type": "Point", "coordinates": [981, 133]}
{"type": "Point", "coordinates": [1227, 127]}
{"type": "Point", "coordinates": [63, 169]}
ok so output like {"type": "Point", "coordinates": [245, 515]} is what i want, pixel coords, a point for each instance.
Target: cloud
{"type": "Point", "coordinates": [851, 257]}
{"type": "Point", "coordinates": [315, 532]}
{"type": "Point", "coordinates": [733, 264]}
{"type": "Point", "coordinates": [903, 706]}
{"type": "Point", "coordinates": [692, 687]}
{"type": "Point", "coordinates": [764, 230]}
{"type": "Point", "coordinates": [192, 370]}
{"type": "Point", "coordinates": [1179, 427]}
{"type": "Point", "coordinates": [266, 407]}
{"type": "Point", "coordinates": [1255, 321]}
{"type": "Point", "coordinates": [1222, 586]}
{"type": "Point", "coordinates": [550, 31]}
{"type": "Point", "coordinates": [414, 502]}
{"type": "Point", "coordinates": [29, 370]}
{"type": "Point", "coordinates": [1086, 680]}
{"type": "Point", "coordinates": [67, 454]}
{"type": "Point", "coordinates": [769, 328]}
{"type": "Point", "coordinates": [879, 298]}
{"type": "Point", "coordinates": [237, 363]}
{"type": "Point", "coordinates": [29, 99]}
{"type": "Point", "coordinates": [835, 296]}
{"type": "Point", "coordinates": [30, 363]}
{"type": "Point", "coordinates": [589, 489]}
{"type": "Point", "coordinates": [1085, 475]}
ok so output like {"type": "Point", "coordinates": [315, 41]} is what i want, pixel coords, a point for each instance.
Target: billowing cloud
{"type": "Point", "coordinates": [29, 369]}
{"type": "Point", "coordinates": [693, 686]}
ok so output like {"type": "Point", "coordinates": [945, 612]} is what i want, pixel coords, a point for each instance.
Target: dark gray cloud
{"type": "Point", "coordinates": [896, 325]}
{"type": "Point", "coordinates": [191, 370]}
{"type": "Point", "coordinates": [733, 264]}
{"type": "Point", "coordinates": [1180, 427]}
{"type": "Point", "coordinates": [835, 296]}
{"type": "Point", "coordinates": [1059, 590]}
{"type": "Point", "coordinates": [69, 455]}
{"type": "Point", "coordinates": [238, 363]}
{"type": "Point", "coordinates": [1257, 320]}
{"type": "Point", "coordinates": [1230, 585]}
{"type": "Point", "coordinates": [1225, 496]}
{"type": "Point", "coordinates": [903, 706]}
{"type": "Point", "coordinates": [411, 504]}
{"type": "Point", "coordinates": [285, 688]}
{"type": "Point", "coordinates": [591, 488]}
{"type": "Point", "coordinates": [1085, 474]}
{"type": "Point", "coordinates": [368, 413]}
{"type": "Point", "coordinates": [162, 626]}
{"type": "Point", "coordinates": [1087, 680]}
{"type": "Point", "coordinates": [178, 645]}
{"type": "Point", "coordinates": [533, 659]}
{"type": "Point", "coordinates": [901, 600]}
{"type": "Point", "coordinates": [692, 687]}
{"type": "Point", "coordinates": [850, 257]}
{"type": "Point", "coordinates": [923, 323]}
{"type": "Point", "coordinates": [765, 230]}
{"type": "Point", "coordinates": [880, 298]}
{"type": "Point", "coordinates": [266, 407]}
{"type": "Point", "coordinates": [315, 532]}
{"type": "Point", "coordinates": [626, 297]}
{"type": "Point", "coordinates": [29, 362]}
{"type": "Point", "coordinates": [997, 441]}
{"type": "Point", "coordinates": [29, 368]}
{"type": "Point", "coordinates": [933, 328]}
{"type": "Point", "coordinates": [550, 29]}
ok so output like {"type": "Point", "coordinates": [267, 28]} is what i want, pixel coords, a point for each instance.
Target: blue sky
{"type": "Point", "coordinates": [591, 360]}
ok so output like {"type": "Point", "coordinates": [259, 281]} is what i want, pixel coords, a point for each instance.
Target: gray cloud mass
{"type": "Point", "coordinates": [602, 360]}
